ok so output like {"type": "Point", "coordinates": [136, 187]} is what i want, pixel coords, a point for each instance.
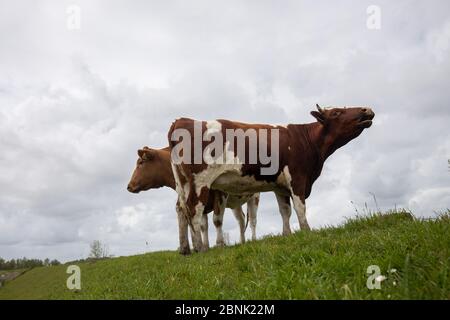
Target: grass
{"type": "Point", "coordinates": [330, 263]}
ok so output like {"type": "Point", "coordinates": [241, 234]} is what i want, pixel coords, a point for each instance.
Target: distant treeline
{"type": "Point", "coordinates": [25, 263]}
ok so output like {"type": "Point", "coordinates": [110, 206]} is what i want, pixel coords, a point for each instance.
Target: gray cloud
{"type": "Point", "coordinates": [76, 105]}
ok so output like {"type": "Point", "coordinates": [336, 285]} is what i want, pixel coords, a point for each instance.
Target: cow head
{"type": "Point", "coordinates": [149, 171]}
{"type": "Point", "coordinates": [341, 125]}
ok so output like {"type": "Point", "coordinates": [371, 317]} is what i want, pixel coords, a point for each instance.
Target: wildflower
{"type": "Point", "coordinates": [393, 270]}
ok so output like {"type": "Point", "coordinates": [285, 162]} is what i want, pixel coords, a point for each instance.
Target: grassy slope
{"type": "Point", "coordinates": [326, 264]}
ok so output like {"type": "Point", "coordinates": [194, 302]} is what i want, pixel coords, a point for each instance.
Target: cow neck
{"type": "Point", "coordinates": [324, 142]}
{"type": "Point", "coordinates": [306, 138]}
{"type": "Point", "coordinates": [167, 174]}
{"type": "Point", "coordinates": [311, 141]}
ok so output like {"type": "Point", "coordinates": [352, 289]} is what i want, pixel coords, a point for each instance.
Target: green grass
{"type": "Point", "coordinates": [330, 263]}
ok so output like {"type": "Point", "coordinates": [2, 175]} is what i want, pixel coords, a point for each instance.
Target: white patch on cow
{"type": "Point", "coordinates": [284, 178]}
{"type": "Point", "coordinates": [287, 174]}
{"type": "Point", "coordinates": [212, 127]}
{"type": "Point", "coordinates": [196, 224]}
{"type": "Point", "coordinates": [298, 203]}
{"type": "Point", "coordinates": [186, 190]}
{"type": "Point", "coordinates": [277, 125]}
{"type": "Point", "coordinates": [199, 208]}
{"type": "Point", "coordinates": [240, 217]}
{"type": "Point", "coordinates": [284, 206]}
{"type": "Point", "coordinates": [206, 177]}
{"type": "Point", "coordinates": [204, 228]}
{"type": "Point", "coordinates": [182, 190]}
{"type": "Point", "coordinates": [218, 221]}
{"type": "Point", "coordinates": [252, 209]}
{"type": "Point", "coordinates": [178, 186]}
{"type": "Point", "coordinates": [300, 210]}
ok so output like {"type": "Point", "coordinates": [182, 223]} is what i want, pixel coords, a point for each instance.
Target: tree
{"type": "Point", "coordinates": [24, 263]}
{"type": "Point", "coordinates": [98, 250]}
{"type": "Point", "coordinates": [55, 262]}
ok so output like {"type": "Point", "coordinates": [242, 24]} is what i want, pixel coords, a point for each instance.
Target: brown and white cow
{"type": "Point", "coordinates": [153, 170]}
{"type": "Point", "coordinates": [301, 152]}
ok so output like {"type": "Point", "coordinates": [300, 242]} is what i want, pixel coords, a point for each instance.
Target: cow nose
{"type": "Point", "coordinates": [129, 188]}
{"type": "Point", "coordinates": [367, 111]}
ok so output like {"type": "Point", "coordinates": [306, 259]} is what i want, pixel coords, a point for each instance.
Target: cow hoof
{"type": "Point", "coordinates": [185, 251]}
{"type": "Point", "coordinates": [201, 249]}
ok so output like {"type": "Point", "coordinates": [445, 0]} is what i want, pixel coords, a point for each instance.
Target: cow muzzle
{"type": "Point", "coordinates": [132, 189]}
{"type": "Point", "coordinates": [365, 121]}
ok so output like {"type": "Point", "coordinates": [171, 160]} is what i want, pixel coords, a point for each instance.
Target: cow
{"type": "Point", "coordinates": [153, 170]}
{"type": "Point", "coordinates": [300, 150]}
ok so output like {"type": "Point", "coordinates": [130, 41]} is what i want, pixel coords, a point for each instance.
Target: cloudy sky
{"type": "Point", "coordinates": [76, 104]}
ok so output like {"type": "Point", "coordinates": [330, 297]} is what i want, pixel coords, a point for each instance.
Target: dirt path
{"type": "Point", "coordinates": [8, 276]}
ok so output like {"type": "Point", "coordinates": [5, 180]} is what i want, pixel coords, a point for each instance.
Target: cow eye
{"type": "Point", "coordinates": [335, 113]}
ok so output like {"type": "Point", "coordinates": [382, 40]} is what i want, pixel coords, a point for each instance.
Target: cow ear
{"type": "Point", "coordinates": [319, 116]}
{"type": "Point", "coordinates": [148, 154]}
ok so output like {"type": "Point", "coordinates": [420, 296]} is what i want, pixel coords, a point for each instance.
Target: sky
{"type": "Point", "coordinates": [84, 84]}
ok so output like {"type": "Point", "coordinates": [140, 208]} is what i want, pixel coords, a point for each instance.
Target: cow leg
{"type": "Point", "coordinates": [204, 228]}
{"type": "Point", "coordinates": [284, 205]}
{"type": "Point", "coordinates": [195, 204]}
{"type": "Point", "coordinates": [183, 230]}
{"type": "Point", "coordinates": [239, 215]}
{"type": "Point", "coordinates": [252, 209]}
{"type": "Point", "coordinates": [219, 209]}
{"type": "Point", "coordinates": [192, 235]}
{"type": "Point", "coordinates": [300, 209]}
{"type": "Point", "coordinates": [196, 228]}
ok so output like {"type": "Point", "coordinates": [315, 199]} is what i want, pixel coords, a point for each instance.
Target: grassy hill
{"type": "Point", "coordinates": [331, 263]}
